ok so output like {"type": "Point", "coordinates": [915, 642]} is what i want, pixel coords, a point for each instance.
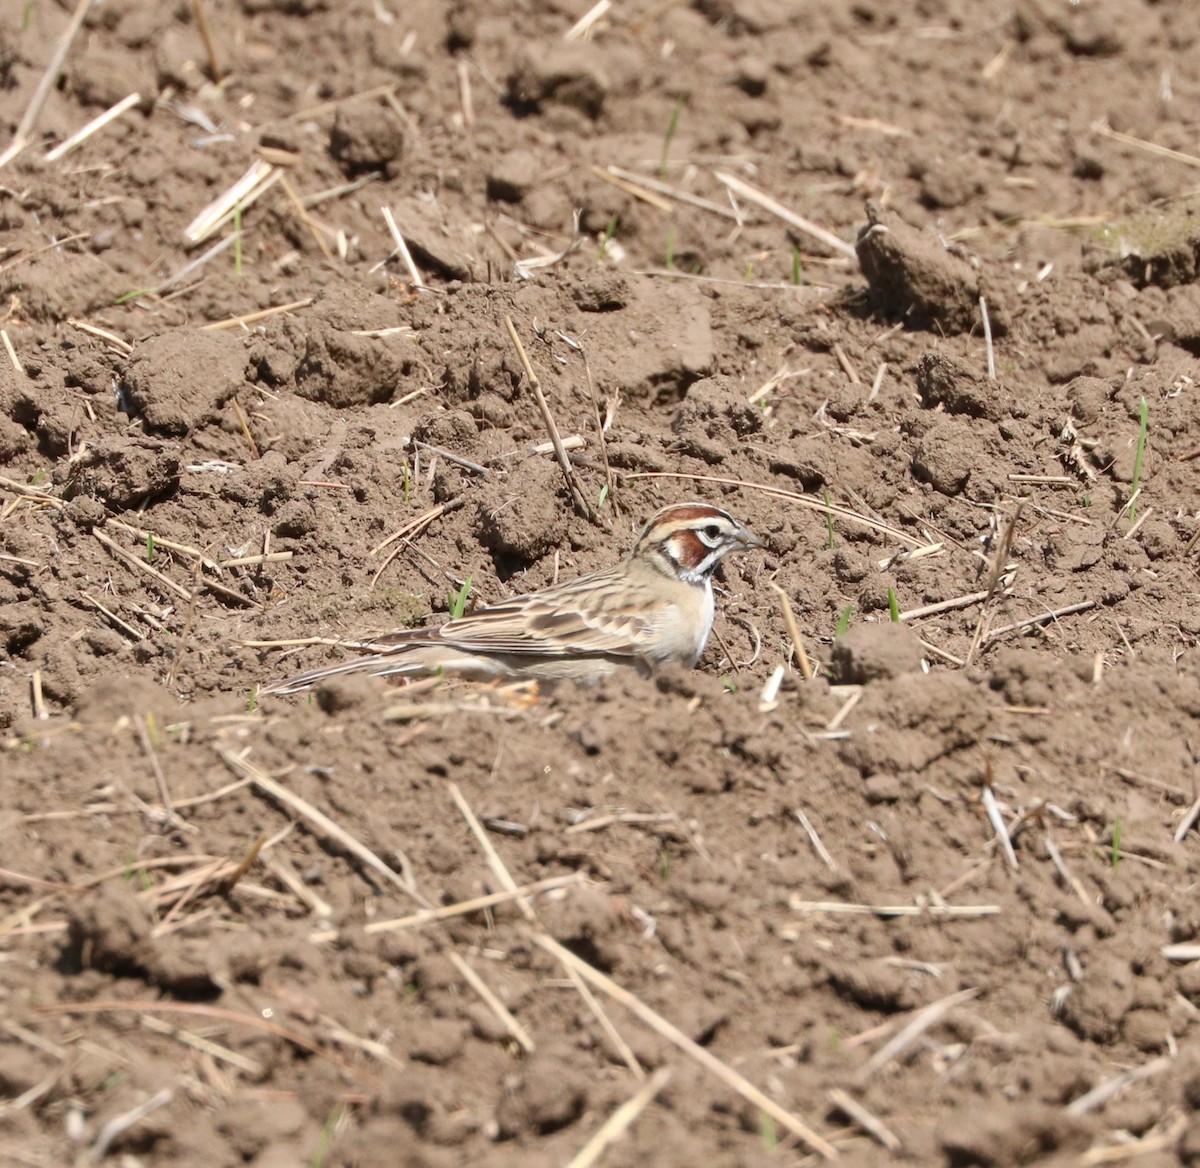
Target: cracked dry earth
{"type": "Point", "coordinates": [936, 905]}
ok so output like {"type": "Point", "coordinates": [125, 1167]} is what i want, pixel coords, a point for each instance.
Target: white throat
{"type": "Point", "coordinates": [708, 610]}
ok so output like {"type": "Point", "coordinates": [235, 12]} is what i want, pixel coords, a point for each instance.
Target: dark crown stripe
{"type": "Point", "coordinates": [689, 513]}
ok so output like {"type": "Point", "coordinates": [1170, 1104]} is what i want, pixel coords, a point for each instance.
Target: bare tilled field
{"type": "Point", "coordinates": [904, 870]}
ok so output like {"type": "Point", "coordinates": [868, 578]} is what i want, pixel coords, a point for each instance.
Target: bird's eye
{"type": "Point", "coordinates": [712, 532]}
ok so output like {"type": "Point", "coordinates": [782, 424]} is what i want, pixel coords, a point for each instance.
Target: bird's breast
{"type": "Point", "coordinates": [686, 625]}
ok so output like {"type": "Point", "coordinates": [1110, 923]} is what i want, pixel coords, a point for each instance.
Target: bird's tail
{"type": "Point", "coordinates": [376, 665]}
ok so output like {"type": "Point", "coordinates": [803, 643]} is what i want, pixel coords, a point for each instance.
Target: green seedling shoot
{"type": "Point", "coordinates": [672, 126]}
{"type": "Point", "coordinates": [607, 237]}
{"type": "Point", "coordinates": [150, 550]}
{"type": "Point", "coordinates": [797, 270]}
{"type": "Point", "coordinates": [1115, 858]}
{"type": "Point", "coordinates": [844, 621]}
{"type": "Point", "coordinates": [457, 601]}
{"type": "Point", "coordinates": [325, 1142]}
{"type": "Point", "coordinates": [893, 606]}
{"type": "Point", "coordinates": [670, 258]}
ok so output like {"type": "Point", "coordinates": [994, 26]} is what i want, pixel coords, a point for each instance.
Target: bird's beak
{"type": "Point", "coordinates": [747, 539]}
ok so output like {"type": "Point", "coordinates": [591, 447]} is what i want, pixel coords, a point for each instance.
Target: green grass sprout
{"type": "Point", "coordinates": [672, 126]}
{"type": "Point", "coordinates": [325, 1140]}
{"type": "Point", "coordinates": [607, 237]}
{"type": "Point", "coordinates": [893, 606]}
{"type": "Point", "coordinates": [457, 601]}
{"type": "Point", "coordinates": [844, 621]}
{"type": "Point", "coordinates": [797, 269]}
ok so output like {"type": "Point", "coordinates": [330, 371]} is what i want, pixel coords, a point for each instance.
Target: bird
{"type": "Point", "coordinates": [653, 608]}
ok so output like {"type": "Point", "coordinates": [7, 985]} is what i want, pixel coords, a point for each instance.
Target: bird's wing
{"type": "Point", "coordinates": [551, 624]}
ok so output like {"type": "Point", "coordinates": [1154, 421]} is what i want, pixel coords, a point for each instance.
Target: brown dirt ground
{"type": "Point", "coordinates": [213, 963]}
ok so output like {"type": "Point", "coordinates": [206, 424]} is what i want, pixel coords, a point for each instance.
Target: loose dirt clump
{"type": "Point", "coordinates": [916, 277]}
{"type": "Point", "coordinates": [904, 870]}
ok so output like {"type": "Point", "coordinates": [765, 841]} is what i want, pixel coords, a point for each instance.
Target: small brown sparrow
{"type": "Point", "coordinates": [653, 608]}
